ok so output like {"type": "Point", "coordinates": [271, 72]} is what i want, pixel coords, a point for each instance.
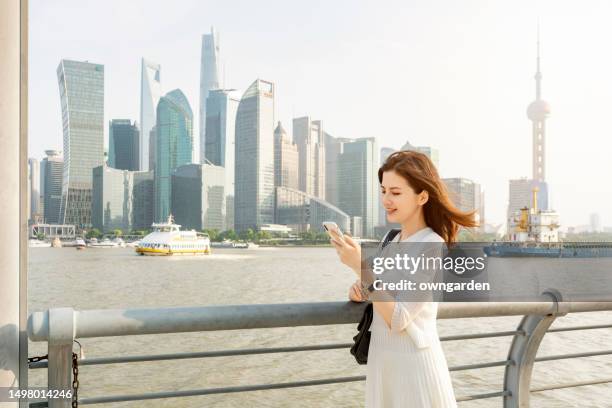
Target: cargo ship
{"type": "Point", "coordinates": [533, 232]}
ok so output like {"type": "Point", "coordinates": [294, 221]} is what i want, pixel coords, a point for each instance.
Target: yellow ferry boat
{"type": "Point", "coordinates": [168, 239]}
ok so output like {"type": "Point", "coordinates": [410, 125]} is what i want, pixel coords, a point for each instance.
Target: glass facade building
{"type": "Point", "coordinates": [304, 212]}
{"type": "Point", "coordinates": [520, 195]}
{"type": "Point", "coordinates": [51, 170]}
{"type": "Point", "coordinates": [358, 187]}
{"type": "Point", "coordinates": [220, 149]}
{"type": "Point", "coordinates": [122, 199]}
{"type": "Point", "coordinates": [433, 154]}
{"type": "Point", "coordinates": [198, 196]}
{"type": "Point", "coordinates": [34, 189]}
{"type": "Point", "coordinates": [112, 199]}
{"type": "Point", "coordinates": [123, 145]}
{"type": "Point", "coordinates": [286, 160]}
{"type": "Point", "coordinates": [382, 214]}
{"type": "Point", "coordinates": [143, 199]}
{"type": "Point", "coordinates": [334, 146]}
{"type": "Point", "coordinates": [309, 138]}
{"type": "Point", "coordinates": [174, 134]}
{"type": "Point", "coordinates": [81, 86]}
{"type": "Point", "coordinates": [209, 80]}
{"type": "Point", "coordinates": [152, 146]}
{"type": "Point", "coordinates": [254, 174]}
{"type": "Point", "coordinates": [466, 195]}
{"type": "Point", "coordinates": [150, 92]}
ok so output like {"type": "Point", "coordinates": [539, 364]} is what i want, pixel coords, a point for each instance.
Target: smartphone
{"type": "Point", "coordinates": [332, 226]}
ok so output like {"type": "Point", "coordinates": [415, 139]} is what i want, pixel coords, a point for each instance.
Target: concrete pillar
{"type": "Point", "coordinates": [13, 171]}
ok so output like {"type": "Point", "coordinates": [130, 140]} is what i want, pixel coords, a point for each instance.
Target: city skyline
{"type": "Point", "coordinates": [487, 125]}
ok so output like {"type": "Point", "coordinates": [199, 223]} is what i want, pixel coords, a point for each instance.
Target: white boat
{"type": "Point", "coordinates": [36, 243]}
{"type": "Point", "coordinates": [120, 242]}
{"type": "Point", "coordinates": [224, 244]}
{"type": "Point", "coordinates": [168, 239]}
{"type": "Point", "coordinates": [79, 243]}
{"type": "Point", "coordinates": [105, 243]}
{"type": "Point", "coordinates": [246, 245]}
{"type": "Point", "coordinates": [133, 244]}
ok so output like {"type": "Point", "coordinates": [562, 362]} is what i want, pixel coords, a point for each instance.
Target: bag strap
{"type": "Point", "coordinates": [366, 318]}
{"type": "Point", "coordinates": [390, 235]}
{"type": "Point", "coordinates": [386, 240]}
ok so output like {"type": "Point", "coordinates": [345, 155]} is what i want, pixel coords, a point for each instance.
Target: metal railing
{"type": "Point", "coordinates": [60, 327]}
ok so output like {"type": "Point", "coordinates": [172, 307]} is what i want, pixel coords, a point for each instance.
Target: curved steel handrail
{"type": "Point", "coordinates": [61, 326]}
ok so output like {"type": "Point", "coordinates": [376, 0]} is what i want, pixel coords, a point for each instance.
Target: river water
{"type": "Point", "coordinates": [117, 278]}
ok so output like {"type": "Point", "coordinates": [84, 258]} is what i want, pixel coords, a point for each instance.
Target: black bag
{"type": "Point", "coordinates": [362, 339]}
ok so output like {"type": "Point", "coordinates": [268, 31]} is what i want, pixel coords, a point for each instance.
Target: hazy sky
{"type": "Point", "coordinates": [456, 75]}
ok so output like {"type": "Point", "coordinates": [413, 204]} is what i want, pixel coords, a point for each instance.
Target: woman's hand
{"type": "Point", "coordinates": [348, 250]}
{"type": "Point", "coordinates": [355, 293]}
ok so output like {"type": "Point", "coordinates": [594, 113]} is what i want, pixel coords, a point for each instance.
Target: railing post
{"type": "Point", "coordinates": [13, 196]}
{"type": "Point", "coordinates": [523, 350]}
{"type": "Point", "coordinates": [61, 338]}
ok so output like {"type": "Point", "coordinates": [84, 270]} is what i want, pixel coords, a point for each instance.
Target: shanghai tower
{"type": "Point", "coordinates": [209, 79]}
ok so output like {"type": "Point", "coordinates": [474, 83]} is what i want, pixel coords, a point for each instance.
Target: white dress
{"type": "Point", "coordinates": [406, 364]}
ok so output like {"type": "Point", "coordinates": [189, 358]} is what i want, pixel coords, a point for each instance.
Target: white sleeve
{"type": "Point", "coordinates": [404, 313]}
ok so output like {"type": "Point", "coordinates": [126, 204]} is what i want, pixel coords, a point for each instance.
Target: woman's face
{"type": "Point", "coordinates": [400, 201]}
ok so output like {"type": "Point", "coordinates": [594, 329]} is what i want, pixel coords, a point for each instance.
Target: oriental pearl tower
{"type": "Point", "coordinates": [537, 112]}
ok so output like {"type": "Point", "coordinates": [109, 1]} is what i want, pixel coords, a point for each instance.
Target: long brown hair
{"type": "Point", "coordinates": [441, 215]}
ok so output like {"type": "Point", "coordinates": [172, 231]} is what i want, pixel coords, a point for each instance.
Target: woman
{"type": "Point", "coordinates": [406, 363]}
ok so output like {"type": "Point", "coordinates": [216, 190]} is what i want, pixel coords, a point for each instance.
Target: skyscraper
{"type": "Point", "coordinates": [286, 160]}
{"type": "Point", "coordinates": [51, 185]}
{"type": "Point", "coordinates": [595, 223]}
{"type": "Point", "coordinates": [143, 199]}
{"type": "Point", "coordinates": [198, 196]}
{"type": "Point", "coordinates": [220, 150]}
{"type": "Point", "coordinates": [34, 178]}
{"type": "Point", "coordinates": [429, 151]}
{"type": "Point", "coordinates": [466, 195]}
{"type": "Point", "coordinates": [174, 132]}
{"type": "Point", "coordinates": [254, 203]}
{"type": "Point", "coordinates": [520, 195]}
{"type": "Point", "coordinates": [308, 135]}
{"type": "Point", "coordinates": [152, 147]}
{"type": "Point", "coordinates": [123, 143]}
{"type": "Point", "coordinates": [385, 152]}
{"type": "Point", "coordinates": [81, 86]}
{"type": "Point", "coordinates": [304, 212]}
{"type": "Point", "coordinates": [334, 147]}
{"type": "Point", "coordinates": [112, 199]}
{"type": "Point", "coordinates": [209, 80]}
{"type": "Point", "coordinates": [358, 189]}
{"type": "Point", "coordinates": [150, 92]}
{"type": "Point", "coordinates": [122, 199]}
{"type": "Point", "coordinates": [382, 214]}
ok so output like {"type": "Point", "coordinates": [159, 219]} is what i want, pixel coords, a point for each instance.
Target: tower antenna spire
{"type": "Point", "coordinates": [538, 75]}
